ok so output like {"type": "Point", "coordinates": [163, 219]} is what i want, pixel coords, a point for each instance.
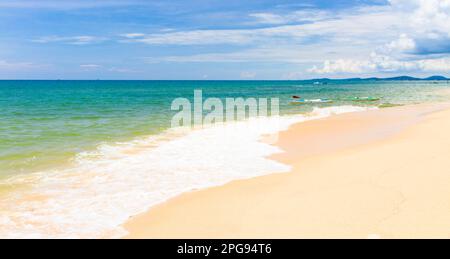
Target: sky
{"type": "Point", "coordinates": [220, 40]}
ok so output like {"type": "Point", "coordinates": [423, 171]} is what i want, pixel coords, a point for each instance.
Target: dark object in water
{"type": "Point", "coordinates": [365, 99]}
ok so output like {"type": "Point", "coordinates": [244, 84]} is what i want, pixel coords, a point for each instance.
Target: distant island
{"type": "Point", "coordinates": [398, 78]}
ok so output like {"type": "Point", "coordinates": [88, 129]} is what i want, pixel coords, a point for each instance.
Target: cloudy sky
{"type": "Point", "coordinates": [217, 39]}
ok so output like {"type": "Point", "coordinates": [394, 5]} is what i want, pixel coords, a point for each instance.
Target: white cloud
{"type": "Point", "coordinates": [307, 15]}
{"type": "Point", "coordinates": [269, 18]}
{"type": "Point", "coordinates": [7, 65]}
{"type": "Point", "coordinates": [198, 37]}
{"type": "Point", "coordinates": [122, 70]}
{"type": "Point", "coordinates": [133, 35]}
{"type": "Point", "coordinates": [426, 15]}
{"type": "Point", "coordinates": [74, 40]}
{"type": "Point", "coordinates": [426, 32]}
{"type": "Point", "coordinates": [381, 64]}
{"type": "Point", "coordinates": [340, 66]}
{"type": "Point", "coordinates": [440, 65]}
{"type": "Point", "coordinates": [64, 5]}
{"type": "Point", "coordinates": [402, 44]}
{"type": "Point", "coordinates": [399, 37]}
{"type": "Point", "coordinates": [90, 66]}
{"type": "Point", "coordinates": [279, 54]}
{"type": "Point", "coordinates": [248, 75]}
{"type": "Point", "coordinates": [429, 23]}
{"type": "Point", "coordinates": [357, 25]}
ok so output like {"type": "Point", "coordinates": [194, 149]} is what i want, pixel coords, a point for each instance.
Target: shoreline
{"type": "Point", "coordinates": [217, 156]}
{"type": "Point", "coordinates": [254, 208]}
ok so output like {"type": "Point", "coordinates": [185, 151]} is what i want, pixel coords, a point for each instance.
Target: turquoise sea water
{"type": "Point", "coordinates": [79, 158]}
{"type": "Point", "coordinates": [44, 124]}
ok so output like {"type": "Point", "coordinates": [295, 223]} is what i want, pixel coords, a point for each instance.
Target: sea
{"type": "Point", "coordinates": [79, 158]}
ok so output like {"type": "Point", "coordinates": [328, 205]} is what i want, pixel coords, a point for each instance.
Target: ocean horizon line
{"type": "Point", "coordinates": [396, 78]}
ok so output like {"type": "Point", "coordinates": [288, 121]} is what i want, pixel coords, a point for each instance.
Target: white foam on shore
{"type": "Point", "coordinates": [105, 188]}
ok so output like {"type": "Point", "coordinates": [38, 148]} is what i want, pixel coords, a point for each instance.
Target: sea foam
{"type": "Point", "coordinates": [103, 189]}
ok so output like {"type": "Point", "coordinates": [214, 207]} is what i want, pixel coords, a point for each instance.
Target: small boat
{"type": "Point", "coordinates": [311, 101]}
{"type": "Point", "coordinates": [364, 99]}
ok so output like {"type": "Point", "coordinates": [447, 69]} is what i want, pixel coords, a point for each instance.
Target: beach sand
{"type": "Point", "coordinates": [376, 174]}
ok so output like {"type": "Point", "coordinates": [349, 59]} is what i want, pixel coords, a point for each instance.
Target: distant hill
{"type": "Point", "coordinates": [398, 78]}
{"type": "Point", "coordinates": [437, 78]}
{"type": "Point", "coordinates": [409, 78]}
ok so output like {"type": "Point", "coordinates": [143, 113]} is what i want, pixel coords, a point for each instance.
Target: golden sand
{"type": "Point", "coordinates": [378, 174]}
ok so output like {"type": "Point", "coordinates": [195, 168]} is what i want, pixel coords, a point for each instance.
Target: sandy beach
{"type": "Point", "coordinates": [251, 119]}
{"type": "Point", "coordinates": [376, 174]}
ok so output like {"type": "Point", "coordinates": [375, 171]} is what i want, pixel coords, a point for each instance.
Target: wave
{"type": "Point", "coordinates": [103, 189]}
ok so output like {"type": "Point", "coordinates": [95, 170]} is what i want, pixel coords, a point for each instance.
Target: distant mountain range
{"type": "Point", "coordinates": [399, 78]}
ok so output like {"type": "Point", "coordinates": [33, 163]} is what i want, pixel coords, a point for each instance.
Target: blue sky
{"type": "Point", "coordinates": [234, 39]}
